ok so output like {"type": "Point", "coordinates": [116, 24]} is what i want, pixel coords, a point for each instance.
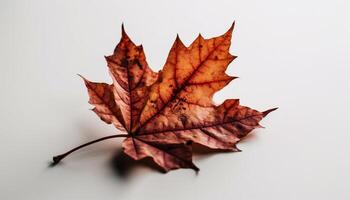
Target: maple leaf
{"type": "Point", "coordinates": [163, 113]}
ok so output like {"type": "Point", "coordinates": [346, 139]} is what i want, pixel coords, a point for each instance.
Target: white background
{"type": "Point", "coordinates": [291, 54]}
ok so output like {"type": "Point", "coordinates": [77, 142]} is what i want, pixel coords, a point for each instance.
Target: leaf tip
{"type": "Point", "coordinates": [178, 41]}
{"type": "Point", "coordinates": [200, 36]}
{"type": "Point", "coordinates": [266, 112]}
{"type": "Point", "coordinates": [236, 149]}
{"type": "Point", "coordinates": [124, 35]}
{"type": "Point", "coordinates": [233, 25]}
{"type": "Point", "coordinates": [123, 28]}
{"type": "Point", "coordinates": [81, 77]}
{"type": "Point", "coordinates": [260, 126]}
{"type": "Point", "coordinates": [230, 30]}
{"type": "Point", "coordinates": [195, 168]}
{"type": "Point", "coordinates": [107, 58]}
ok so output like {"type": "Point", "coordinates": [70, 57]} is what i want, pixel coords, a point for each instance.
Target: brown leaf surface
{"type": "Point", "coordinates": [163, 113]}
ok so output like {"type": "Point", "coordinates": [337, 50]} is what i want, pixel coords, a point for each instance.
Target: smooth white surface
{"type": "Point", "coordinates": [291, 54]}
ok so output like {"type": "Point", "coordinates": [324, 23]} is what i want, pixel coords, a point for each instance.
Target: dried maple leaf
{"type": "Point", "coordinates": [163, 113]}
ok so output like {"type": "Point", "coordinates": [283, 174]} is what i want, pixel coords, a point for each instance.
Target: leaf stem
{"type": "Point", "coordinates": [58, 158]}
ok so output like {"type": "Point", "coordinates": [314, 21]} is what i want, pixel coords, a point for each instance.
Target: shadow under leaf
{"type": "Point", "coordinates": [122, 165]}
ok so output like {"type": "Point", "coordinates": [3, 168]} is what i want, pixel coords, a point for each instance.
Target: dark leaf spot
{"type": "Point", "coordinates": [137, 62]}
{"type": "Point", "coordinates": [183, 119]}
{"type": "Point", "coordinates": [125, 63]}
